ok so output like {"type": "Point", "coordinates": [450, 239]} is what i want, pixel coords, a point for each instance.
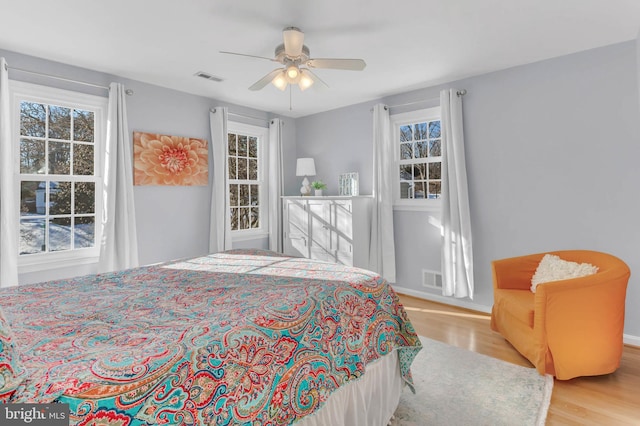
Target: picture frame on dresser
{"type": "Point", "coordinates": [349, 184]}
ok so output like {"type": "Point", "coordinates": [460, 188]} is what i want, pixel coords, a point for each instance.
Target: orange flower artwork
{"type": "Point", "coordinates": [169, 160]}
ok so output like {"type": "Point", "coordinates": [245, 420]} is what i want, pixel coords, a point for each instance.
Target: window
{"type": "Point", "coordinates": [247, 187]}
{"type": "Point", "coordinates": [418, 142]}
{"type": "Point", "coordinates": [58, 136]}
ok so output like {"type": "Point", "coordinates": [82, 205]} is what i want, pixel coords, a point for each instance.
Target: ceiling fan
{"type": "Point", "coordinates": [297, 64]}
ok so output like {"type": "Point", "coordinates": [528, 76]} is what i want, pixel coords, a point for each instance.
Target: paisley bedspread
{"type": "Point", "coordinates": [240, 337]}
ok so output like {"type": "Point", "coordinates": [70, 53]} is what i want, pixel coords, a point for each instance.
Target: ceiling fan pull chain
{"type": "Point", "coordinates": [290, 107]}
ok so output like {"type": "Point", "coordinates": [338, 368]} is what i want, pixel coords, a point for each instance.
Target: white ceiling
{"type": "Point", "coordinates": [407, 44]}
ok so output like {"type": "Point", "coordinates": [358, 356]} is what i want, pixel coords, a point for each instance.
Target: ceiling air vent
{"type": "Point", "coordinates": [203, 74]}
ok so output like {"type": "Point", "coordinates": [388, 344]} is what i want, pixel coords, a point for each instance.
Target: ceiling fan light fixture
{"type": "Point", "coordinates": [293, 74]}
{"type": "Point", "coordinates": [292, 55]}
{"type": "Point", "coordinates": [280, 81]}
{"type": "Point", "coordinates": [305, 80]}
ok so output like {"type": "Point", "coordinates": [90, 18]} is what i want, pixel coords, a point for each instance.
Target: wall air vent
{"type": "Point", "coordinates": [208, 76]}
{"type": "Point", "coordinates": [431, 279]}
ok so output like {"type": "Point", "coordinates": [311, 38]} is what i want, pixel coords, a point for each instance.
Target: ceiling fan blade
{"type": "Point", "coordinates": [265, 80]}
{"type": "Point", "coordinates": [337, 64]}
{"type": "Point", "coordinates": [249, 56]}
{"type": "Point", "coordinates": [317, 81]}
{"type": "Point", "coordinates": [293, 41]}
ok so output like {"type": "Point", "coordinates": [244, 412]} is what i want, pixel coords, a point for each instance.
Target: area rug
{"type": "Point", "coordinates": [455, 386]}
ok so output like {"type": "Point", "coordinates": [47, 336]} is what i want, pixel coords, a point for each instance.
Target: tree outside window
{"type": "Point", "coordinates": [246, 187]}
{"type": "Point", "coordinates": [57, 178]}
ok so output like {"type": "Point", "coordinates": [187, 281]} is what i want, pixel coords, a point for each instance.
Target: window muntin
{"type": "Point", "coordinates": [247, 190]}
{"type": "Point", "coordinates": [58, 137]}
{"type": "Point", "coordinates": [417, 137]}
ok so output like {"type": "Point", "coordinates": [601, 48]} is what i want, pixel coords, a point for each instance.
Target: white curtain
{"type": "Point", "coordinates": [220, 225]}
{"type": "Point", "coordinates": [8, 196]}
{"type": "Point", "coordinates": [119, 246]}
{"type": "Point", "coordinates": [275, 185]}
{"type": "Point", "coordinates": [457, 256]}
{"type": "Point", "coordinates": [382, 252]}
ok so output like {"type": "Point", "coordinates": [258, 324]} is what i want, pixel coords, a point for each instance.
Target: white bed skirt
{"type": "Point", "coordinates": [369, 401]}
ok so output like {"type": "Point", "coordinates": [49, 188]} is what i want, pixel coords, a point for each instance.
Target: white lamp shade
{"type": "Point", "coordinates": [280, 81]}
{"type": "Point", "coordinates": [305, 167]}
{"type": "Point", "coordinates": [305, 80]}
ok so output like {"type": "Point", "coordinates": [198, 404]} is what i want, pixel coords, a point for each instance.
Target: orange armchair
{"type": "Point", "coordinates": [567, 328]}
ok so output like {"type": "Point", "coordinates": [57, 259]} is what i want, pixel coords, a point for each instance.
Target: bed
{"type": "Point", "coordinates": [239, 337]}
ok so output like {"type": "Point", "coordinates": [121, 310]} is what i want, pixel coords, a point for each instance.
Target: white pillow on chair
{"type": "Point", "coordinates": [552, 268]}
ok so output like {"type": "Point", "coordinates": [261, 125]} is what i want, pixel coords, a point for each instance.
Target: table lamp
{"type": "Point", "coordinates": [305, 167]}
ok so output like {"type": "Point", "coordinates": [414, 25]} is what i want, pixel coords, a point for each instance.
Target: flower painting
{"type": "Point", "coordinates": [169, 160]}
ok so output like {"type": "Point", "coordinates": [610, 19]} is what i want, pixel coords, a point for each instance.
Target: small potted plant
{"type": "Point", "coordinates": [318, 186]}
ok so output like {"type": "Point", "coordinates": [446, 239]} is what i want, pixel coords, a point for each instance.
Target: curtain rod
{"type": "Point", "coordinates": [460, 92]}
{"type": "Point", "coordinates": [252, 117]}
{"type": "Point", "coordinates": [55, 77]}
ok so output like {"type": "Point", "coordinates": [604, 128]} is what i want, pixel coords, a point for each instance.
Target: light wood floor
{"type": "Point", "coordinates": [613, 399]}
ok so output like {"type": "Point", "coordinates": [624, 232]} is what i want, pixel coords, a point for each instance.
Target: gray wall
{"type": "Point", "coordinates": [170, 219]}
{"type": "Point", "coordinates": [552, 149]}
{"type": "Point", "coordinates": [172, 222]}
{"type": "Point", "coordinates": [551, 153]}
{"type": "Point", "coordinates": [339, 141]}
{"type": "Point", "coordinates": [551, 156]}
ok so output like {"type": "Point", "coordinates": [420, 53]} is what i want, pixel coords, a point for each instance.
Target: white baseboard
{"type": "Point", "coordinates": [631, 340]}
{"type": "Point", "coordinates": [464, 303]}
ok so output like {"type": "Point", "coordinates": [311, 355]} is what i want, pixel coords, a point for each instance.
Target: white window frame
{"type": "Point", "coordinates": [398, 120]}
{"type": "Point", "coordinates": [21, 91]}
{"type": "Point", "coordinates": [262, 133]}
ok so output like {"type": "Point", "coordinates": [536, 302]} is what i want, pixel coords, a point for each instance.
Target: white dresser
{"type": "Point", "coordinates": [335, 229]}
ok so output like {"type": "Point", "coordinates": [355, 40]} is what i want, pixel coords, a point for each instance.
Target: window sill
{"type": "Point", "coordinates": [37, 263]}
{"type": "Point", "coordinates": [248, 236]}
{"type": "Point", "coordinates": [418, 207]}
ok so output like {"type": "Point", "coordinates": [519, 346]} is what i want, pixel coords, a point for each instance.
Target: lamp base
{"type": "Point", "coordinates": [305, 189]}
